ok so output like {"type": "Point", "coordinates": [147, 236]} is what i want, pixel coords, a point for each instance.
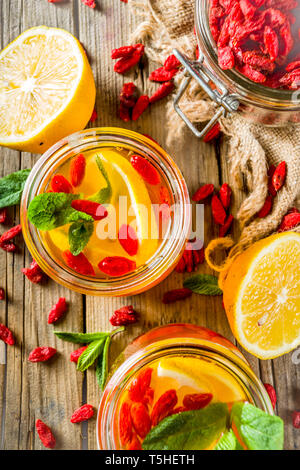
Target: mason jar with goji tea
{"type": "Point", "coordinates": [248, 61]}
{"type": "Point", "coordinates": [174, 371]}
{"type": "Point", "coordinates": [106, 212]}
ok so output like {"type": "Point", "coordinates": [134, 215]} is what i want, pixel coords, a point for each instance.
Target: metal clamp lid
{"type": "Point", "coordinates": [228, 103]}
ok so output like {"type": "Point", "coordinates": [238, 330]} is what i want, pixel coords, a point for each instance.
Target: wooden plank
{"type": "Point", "coordinates": [47, 391]}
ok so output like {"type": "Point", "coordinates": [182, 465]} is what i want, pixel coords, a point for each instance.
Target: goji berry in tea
{"type": "Point", "coordinates": [128, 239]}
{"type": "Point", "coordinates": [145, 169]}
{"type": "Point", "coordinates": [116, 265]}
{"type": "Point", "coordinates": [134, 443]}
{"type": "Point", "coordinates": [77, 170]}
{"type": "Point", "coordinates": [3, 215]}
{"type": "Point", "coordinates": [41, 354]}
{"type": "Point", "coordinates": [2, 294]}
{"type": "Point", "coordinates": [296, 419]}
{"type": "Point", "coordinates": [213, 133]}
{"type": "Point", "coordinates": [34, 273]}
{"type": "Point", "coordinates": [178, 409]}
{"type": "Point", "coordinates": [124, 316]}
{"type": "Point", "coordinates": [162, 75]}
{"type": "Point", "coordinates": [6, 335]}
{"type": "Point", "coordinates": [45, 434]}
{"type": "Point", "coordinates": [58, 310]}
{"type": "Point", "coordinates": [5, 239]}
{"type": "Point", "coordinates": [176, 294]}
{"type": "Point", "coordinates": [272, 394]}
{"type": "Point", "coordinates": [78, 263]}
{"type": "Point", "coordinates": [140, 419]}
{"type": "Point", "coordinates": [162, 91]}
{"type": "Point", "coordinates": [196, 401]}
{"type": "Point", "coordinates": [225, 195]}
{"type": "Point", "coordinates": [164, 406]}
{"type": "Point", "coordinates": [60, 184]}
{"type": "Point", "coordinates": [204, 192]}
{"type": "Point", "coordinates": [224, 229]}
{"type": "Point", "coordinates": [140, 106]}
{"type": "Point", "coordinates": [83, 413]}
{"type": "Point", "coordinates": [96, 210]}
{"type": "Point", "coordinates": [148, 397]}
{"type": "Point", "coordinates": [139, 385]}
{"type": "Point", "coordinates": [75, 355]}
{"type": "Point", "coordinates": [125, 424]}
{"type": "Point", "coordinates": [218, 211]}
{"type": "Point", "coordinates": [289, 221]}
{"type": "Point", "coordinates": [278, 178]}
{"type": "Point", "coordinates": [266, 208]}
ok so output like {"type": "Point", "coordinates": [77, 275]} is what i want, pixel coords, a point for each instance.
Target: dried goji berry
{"type": "Point", "coordinates": [292, 66]}
{"type": "Point", "coordinates": [45, 434]}
{"type": "Point", "coordinates": [75, 355]}
{"type": "Point", "coordinates": [213, 133]}
{"type": "Point", "coordinates": [89, 3]}
{"type": "Point", "coordinates": [225, 195]}
{"type": "Point", "coordinates": [289, 221]}
{"type": "Point", "coordinates": [78, 263]}
{"type": "Point", "coordinates": [190, 260]}
{"type": "Point", "coordinates": [140, 419]}
{"type": "Point", "coordinates": [278, 178]}
{"type": "Point", "coordinates": [41, 354]}
{"type": "Point", "coordinates": [202, 193]}
{"type": "Point", "coordinates": [253, 74]}
{"type": "Point", "coordinates": [175, 295]}
{"type": "Point", "coordinates": [258, 60]}
{"type": "Point", "coordinates": [125, 424]}
{"type": "Point", "coordinates": [126, 63]}
{"type": "Point", "coordinates": [59, 184]}
{"type": "Point", "coordinates": [247, 8]}
{"type": "Point", "coordinates": [123, 51]}
{"type": "Point", "coordinates": [139, 385]}
{"type": "Point", "coordinates": [172, 62]}
{"type": "Point", "coordinates": [196, 401]}
{"type": "Point", "coordinates": [77, 170]}
{"type": "Point", "coordinates": [226, 226]}
{"type": "Point", "coordinates": [266, 208]}
{"type": "Point", "coordinates": [226, 58]}
{"type": "Point", "coordinates": [128, 239]}
{"type": "Point", "coordinates": [163, 90]}
{"type": "Point", "coordinates": [218, 211]}
{"type": "Point", "coordinates": [145, 169]}
{"type": "Point", "coordinates": [6, 335]}
{"type": "Point", "coordinates": [271, 42]}
{"type": "Point", "coordinates": [128, 95]}
{"type": "Point", "coordinates": [124, 316]}
{"type": "Point", "coordinates": [96, 210]}
{"type": "Point", "coordinates": [296, 419]}
{"type": "Point", "coordinates": [140, 106]}
{"type": "Point", "coordinates": [34, 273]}
{"type": "Point", "coordinates": [94, 116]}
{"type": "Point", "coordinates": [82, 414]}
{"type": "Point", "coordinates": [134, 443]}
{"type": "Point", "coordinates": [162, 75]}
{"type": "Point", "coordinates": [164, 406]}
{"type": "Point", "coordinates": [58, 310]}
{"type": "Point", "coordinates": [272, 394]}
{"type": "Point", "coordinates": [2, 294]}
{"type": "Point", "coordinates": [5, 239]}
{"type": "Point", "coordinates": [116, 265]}
{"type": "Point", "coordinates": [271, 188]}
{"type": "Point", "coordinates": [3, 215]}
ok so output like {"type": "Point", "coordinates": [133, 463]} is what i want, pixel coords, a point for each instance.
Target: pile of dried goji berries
{"type": "Point", "coordinates": [260, 38]}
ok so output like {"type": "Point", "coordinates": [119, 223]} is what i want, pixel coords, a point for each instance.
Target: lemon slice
{"type": "Point", "coordinates": [262, 296]}
{"type": "Point", "coordinates": [47, 90]}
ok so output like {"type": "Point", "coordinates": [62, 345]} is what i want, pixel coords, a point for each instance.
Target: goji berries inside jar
{"type": "Point", "coordinates": [106, 212]}
{"type": "Point", "coordinates": [166, 372]}
{"type": "Point", "coordinates": [248, 61]}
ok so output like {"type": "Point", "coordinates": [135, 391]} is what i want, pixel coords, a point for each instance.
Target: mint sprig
{"type": "Point", "coordinates": [81, 338]}
{"type": "Point", "coordinates": [103, 196]}
{"type": "Point", "coordinates": [228, 442]}
{"type": "Point", "coordinates": [204, 284]}
{"type": "Point", "coordinates": [102, 364]}
{"type": "Point", "coordinates": [11, 188]}
{"type": "Point", "coordinates": [79, 235]}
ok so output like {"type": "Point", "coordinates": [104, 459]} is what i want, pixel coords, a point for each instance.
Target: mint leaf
{"type": "Point", "coordinates": [79, 235]}
{"type": "Point", "coordinates": [11, 188]}
{"type": "Point", "coordinates": [259, 430]}
{"type": "Point", "coordinates": [205, 284]}
{"type": "Point", "coordinates": [81, 338]}
{"type": "Point", "coordinates": [51, 210]}
{"type": "Point", "coordinates": [89, 356]}
{"type": "Point", "coordinates": [104, 195]}
{"type": "Point", "coordinates": [102, 365]}
{"type": "Point", "coordinates": [228, 442]}
{"type": "Point", "coordinates": [190, 430]}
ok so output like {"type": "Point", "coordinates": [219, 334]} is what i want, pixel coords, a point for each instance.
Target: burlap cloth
{"type": "Point", "coordinates": [165, 24]}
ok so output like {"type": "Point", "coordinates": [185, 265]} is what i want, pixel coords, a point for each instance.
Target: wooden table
{"type": "Point", "coordinates": [52, 391]}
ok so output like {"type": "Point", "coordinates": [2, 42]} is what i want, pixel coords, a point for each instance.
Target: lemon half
{"type": "Point", "coordinates": [47, 89]}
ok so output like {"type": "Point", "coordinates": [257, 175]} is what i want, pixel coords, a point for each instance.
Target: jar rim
{"type": "Point", "coordinates": [246, 90]}
{"type": "Point", "coordinates": [140, 354]}
{"type": "Point", "coordinates": [170, 249]}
